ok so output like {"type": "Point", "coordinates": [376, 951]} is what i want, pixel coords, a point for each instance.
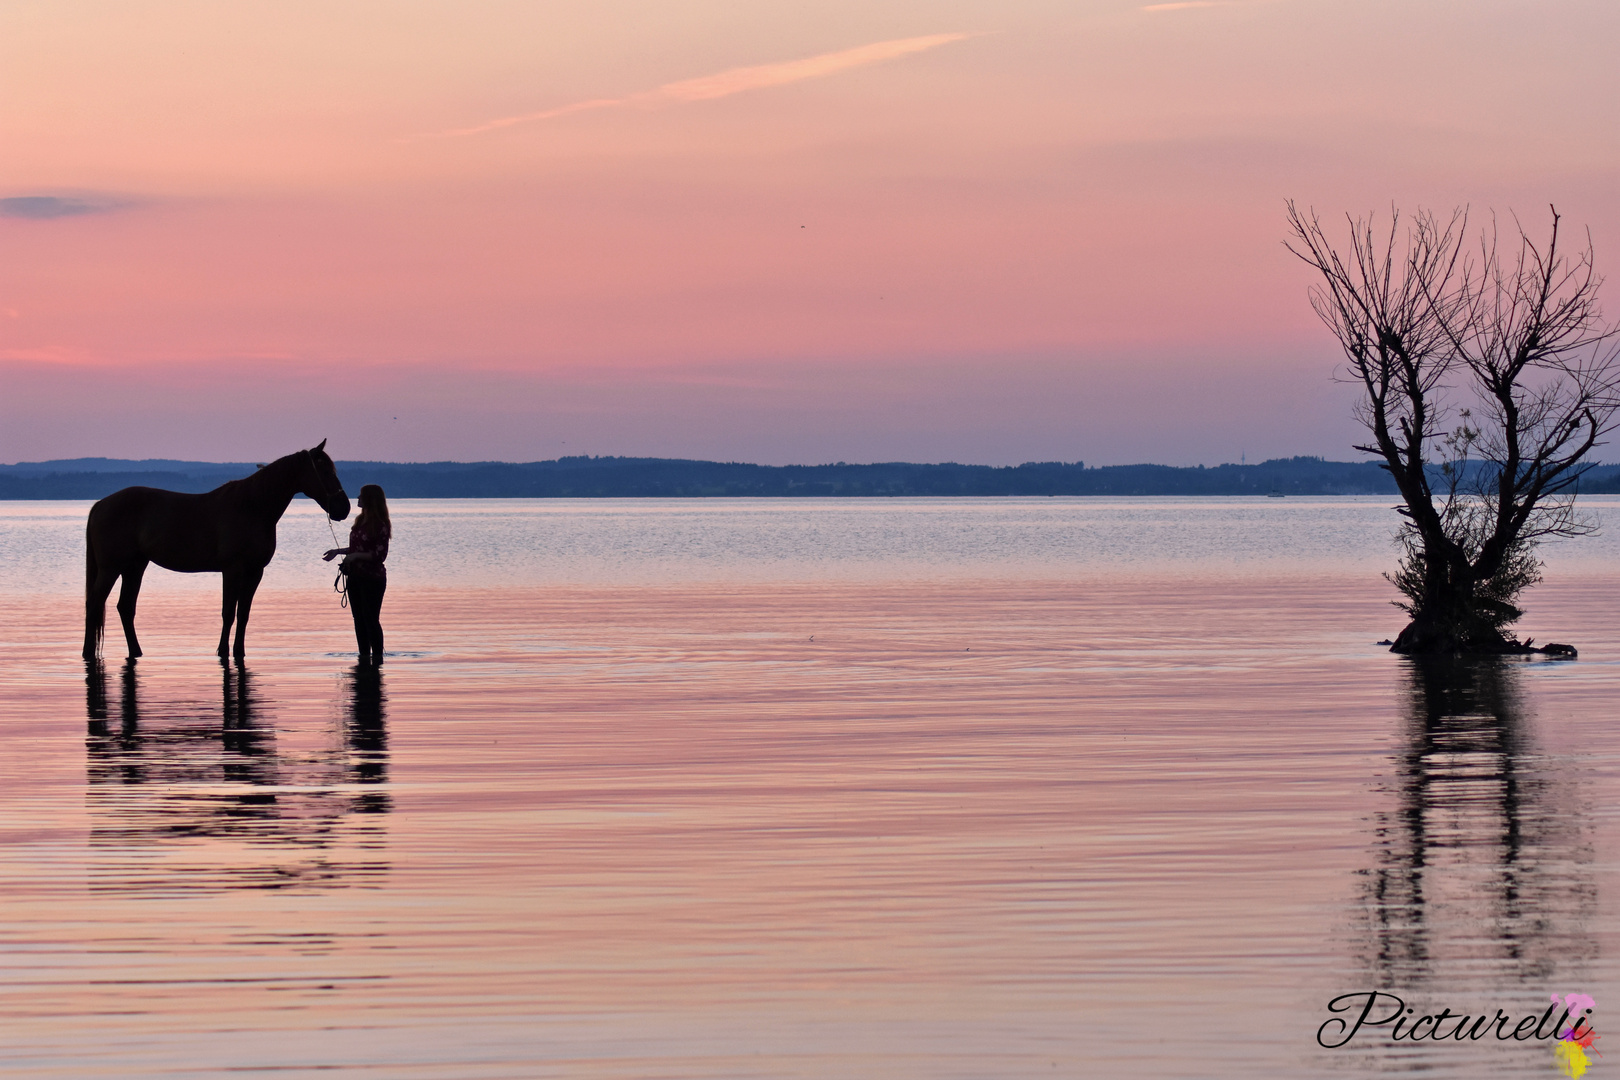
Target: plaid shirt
{"type": "Point", "coordinates": [373, 544]}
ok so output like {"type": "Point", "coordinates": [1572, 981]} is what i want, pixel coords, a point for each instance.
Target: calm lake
{"type": "Point", "coordinates": [927, 788]}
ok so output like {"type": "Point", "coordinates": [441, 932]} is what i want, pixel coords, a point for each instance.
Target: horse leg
{"type": "Point", "coordinates": [126, 604]}
{"type": "Point", "coordinates": [97, 587]}
{"type": "Point", "coordinates": [244, 604]}
{"type": "Point", "coordinates": [232, 589]}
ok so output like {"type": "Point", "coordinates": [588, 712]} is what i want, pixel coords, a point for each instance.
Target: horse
{"type": "Point", "coordinates": [230, 531]}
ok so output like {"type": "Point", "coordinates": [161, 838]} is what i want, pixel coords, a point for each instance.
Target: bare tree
{"type": "Point", "coordinates": [1487, 382]}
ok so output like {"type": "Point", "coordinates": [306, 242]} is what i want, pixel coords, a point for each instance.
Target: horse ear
{"type": "Point", "coordinates": [321, 447]}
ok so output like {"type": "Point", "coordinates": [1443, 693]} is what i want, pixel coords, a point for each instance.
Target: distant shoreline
{"type": "Point", "coordinates": [621, 477]}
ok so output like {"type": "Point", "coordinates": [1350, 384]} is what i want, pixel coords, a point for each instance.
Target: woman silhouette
{"type": "Point", "coordinates": [363, 563]}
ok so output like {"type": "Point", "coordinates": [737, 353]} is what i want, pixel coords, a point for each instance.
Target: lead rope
{"type": "Point", "coordinates": [340, 584]}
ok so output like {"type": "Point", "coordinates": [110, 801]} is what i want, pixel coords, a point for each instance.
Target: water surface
{"type": "Point", "coordinates": [909, 788]}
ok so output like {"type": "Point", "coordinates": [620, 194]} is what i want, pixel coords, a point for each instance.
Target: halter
{"type": "Point", "coordinates": [310, 454]}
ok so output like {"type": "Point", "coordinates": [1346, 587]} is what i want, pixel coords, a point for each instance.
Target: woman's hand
{"type": "Point", "coordinates": [334, 553]}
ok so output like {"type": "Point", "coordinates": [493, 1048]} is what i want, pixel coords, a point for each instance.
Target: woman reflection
{"type": "Point", "coordinates": [363, 563]}
{"type": "Point", "coordinates": [366, 726]}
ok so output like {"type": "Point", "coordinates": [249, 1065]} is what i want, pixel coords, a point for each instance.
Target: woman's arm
{"type": "Point", "coordinates": [356, 553]}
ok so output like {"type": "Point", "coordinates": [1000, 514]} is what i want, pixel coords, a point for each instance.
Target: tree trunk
{"type": "Point", "coordinates": [1433, 635]}
{"type": "Point", "coordinates": [1452, 618]}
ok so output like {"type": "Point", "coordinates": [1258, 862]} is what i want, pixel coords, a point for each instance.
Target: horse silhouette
{"type": "Point", "coordinates": [230, 531]}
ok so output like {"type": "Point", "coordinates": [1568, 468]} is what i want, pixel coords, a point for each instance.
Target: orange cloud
{"type": "Point", "coordinates": [732, 81]}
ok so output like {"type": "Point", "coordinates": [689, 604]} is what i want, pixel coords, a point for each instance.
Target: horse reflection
{"type": "Point", "coordinates": [1482, 866]}
{"type": "Point", "coordinates": [188, 795]}
{"type": "Point", "coordinates": [178, 742]}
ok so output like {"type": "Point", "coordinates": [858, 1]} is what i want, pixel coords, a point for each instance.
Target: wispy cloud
{"type": "Point", "coordinates": [1183, 5]}
{"type": "Point", "coordinates": [44, 207]}
{"type": "Point", "coordinates": [732, 81]}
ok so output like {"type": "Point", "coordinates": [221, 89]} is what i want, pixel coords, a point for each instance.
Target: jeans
{"type": "Point", "coordinates": [365, 603]}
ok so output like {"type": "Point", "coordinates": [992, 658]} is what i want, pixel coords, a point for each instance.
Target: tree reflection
{"type": "Point", "coordinates": [1482, 867]}
{"type": "Point", "coordinates": [188, 794]}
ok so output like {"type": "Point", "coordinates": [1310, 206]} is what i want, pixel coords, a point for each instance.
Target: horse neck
{"type": "Point", "coordinates": [272, 488]}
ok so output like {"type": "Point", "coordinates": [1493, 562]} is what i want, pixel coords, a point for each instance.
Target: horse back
{"type": "Point", "coordinates": [178, 531]}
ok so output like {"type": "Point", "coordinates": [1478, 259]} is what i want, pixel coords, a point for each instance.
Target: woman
{"type": "Point", "coordinates": [363, 562]}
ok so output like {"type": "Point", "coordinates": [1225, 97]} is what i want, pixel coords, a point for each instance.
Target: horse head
{"type": "Point", "coordinates": [321, 483]}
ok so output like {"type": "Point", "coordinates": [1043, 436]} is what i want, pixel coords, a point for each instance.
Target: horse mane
{"type": "Point", "coordinates": [243, 483]}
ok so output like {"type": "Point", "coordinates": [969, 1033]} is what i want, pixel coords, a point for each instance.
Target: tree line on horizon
{"type": "Point", "coordinates": [624, 477]}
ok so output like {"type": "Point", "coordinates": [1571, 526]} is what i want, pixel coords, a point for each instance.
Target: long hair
{"type": "Point", "coordinates": [373, 518]}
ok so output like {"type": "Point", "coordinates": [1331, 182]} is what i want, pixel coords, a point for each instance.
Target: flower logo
{"type": "Point", "coordinates": [1570, 1052]}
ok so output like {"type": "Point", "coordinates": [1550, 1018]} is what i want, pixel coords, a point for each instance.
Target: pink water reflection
{"type": "Point", "coordinates": [922, 829]}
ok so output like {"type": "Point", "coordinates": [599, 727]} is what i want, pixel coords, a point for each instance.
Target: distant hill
{"type": "Point", "coordinates": [619, 477]}
{"type": "Point", "coordinates": [1602, 480]}
{"type": "Point", "coordinates": [91, 478]}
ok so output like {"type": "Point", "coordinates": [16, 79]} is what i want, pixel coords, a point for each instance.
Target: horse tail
{"type": "Point", "coordinates": [95, 615]}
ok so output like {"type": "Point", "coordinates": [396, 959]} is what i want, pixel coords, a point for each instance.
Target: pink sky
{"type": "Point", "coordinates": [855, 231]}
